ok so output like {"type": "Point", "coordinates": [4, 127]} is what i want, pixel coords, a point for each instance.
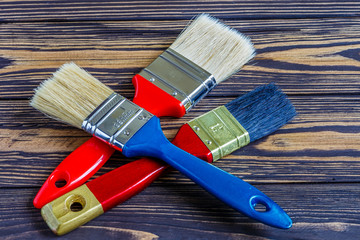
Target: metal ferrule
{"type": "Point", "coordinates": [116, 120]}
{"type": "Point", "coordinates": [179, 77]}
{"type": "Point", "coordinates": [220, 132]}
{"type": "Point", "coordinates": [62, 216]}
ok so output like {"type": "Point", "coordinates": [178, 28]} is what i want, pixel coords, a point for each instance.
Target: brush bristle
{"type": "Point", "coordinates": [214, 46]}
{"type": "Point", "coordinates": [70, 95]}
{"type": "Point", "coordinates": [262, 111]}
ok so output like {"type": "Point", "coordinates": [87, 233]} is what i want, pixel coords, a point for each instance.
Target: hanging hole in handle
{"type": "Point", "coordinates": [60, 183]}
{"type": "Point", "coordinates": [259, 204]}
{"type": "Point", "coordinates": [75, 202]}
{"type": "Point", "coordinates": [59, 179]}
{"type": "Point", "coordinates": [260, 207]}
{"type": "Point", "coordinates": [76, 207]}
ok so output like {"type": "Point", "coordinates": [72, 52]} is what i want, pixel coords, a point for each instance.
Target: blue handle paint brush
{"type": "Point", "coordinates": [209, 137]}
{"type": "Point", "coordinates": [77, 98]}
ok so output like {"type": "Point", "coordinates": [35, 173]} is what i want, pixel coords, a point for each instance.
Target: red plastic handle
{"type": "Point", "coordinates": [84, 162]}
{"type": "Point", "coordinates": [187, 140]}
{"type": "Point", "coordinates": [155, 100]}
{"type": "Point", "coordinates": [81, 164]}
{"type": "Point", "coordinates": [128, 180]}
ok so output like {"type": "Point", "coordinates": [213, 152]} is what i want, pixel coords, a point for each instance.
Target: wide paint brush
{"type": "Point", "coordinates": [209, 137]}
{"type": "Point", "coordinates": [206, 53]}
{"type": "Point", "coordinates": [77, 98]}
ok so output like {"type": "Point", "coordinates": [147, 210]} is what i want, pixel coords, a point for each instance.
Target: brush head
{"type": "Point", "coordinates": [214, 46]}
{"type": "Point", "coordinates": [262, 111]}
{"type": "Point", "coordinates": [70, 95]}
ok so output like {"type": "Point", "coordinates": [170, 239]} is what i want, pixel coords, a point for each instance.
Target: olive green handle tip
{"type": "Point", "coordinates": [50, 218]}
{"type": "Point", "coordinates": [71, 210]}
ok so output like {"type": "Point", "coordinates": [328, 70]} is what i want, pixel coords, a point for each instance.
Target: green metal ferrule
{"type": "Point", "coordinates": [220, 132]}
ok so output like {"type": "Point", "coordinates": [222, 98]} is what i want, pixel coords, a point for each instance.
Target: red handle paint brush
{"type": "Point", "coordinates": [210, 137]}
{"type": "Point", "coordinates": [206, 53]}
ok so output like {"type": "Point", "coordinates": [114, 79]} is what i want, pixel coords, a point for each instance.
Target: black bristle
{"type": "Point", "coordinates": [262, 111]}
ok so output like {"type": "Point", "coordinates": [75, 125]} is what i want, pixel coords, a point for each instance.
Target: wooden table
{"type": "Point", "coordinates": [311, 167]}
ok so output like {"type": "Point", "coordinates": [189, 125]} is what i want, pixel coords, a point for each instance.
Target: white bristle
{"type": "Point", "coordinates": [70, 95]}
{"type": "Point", "coordinates": [214, 46]}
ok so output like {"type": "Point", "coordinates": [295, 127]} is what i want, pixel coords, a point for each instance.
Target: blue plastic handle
{"type": "Point", "coordinates": [150, 141]}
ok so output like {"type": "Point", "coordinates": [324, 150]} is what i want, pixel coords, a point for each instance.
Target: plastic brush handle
{"type": "Point", "coordinates": [74, 170]}
{"type": "Point", "coordinates": [150, 141]}
{"type": "Point", "coordinates": [86, 160]}
{"type": "Point", "coordinates": [155, 100]}
{"type": "Point", "coordinates": [125, 182]}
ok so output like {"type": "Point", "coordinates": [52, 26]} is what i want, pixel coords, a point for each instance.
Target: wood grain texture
{"type": "Point", "coordinates": [173, 211]}
{"type": "Point", "coordinates": [320, 145]}
{"type": "Point", "coordinates": [311, 167]}
{"type": "Point", "coordinates": [61, 10]}
{"type": "Point", "coordinates": [304, 56]}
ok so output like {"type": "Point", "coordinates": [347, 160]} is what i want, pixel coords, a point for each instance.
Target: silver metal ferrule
{"type": "Point", "coordinates": [116, 120]}
{"type": "Point", "coordinates": [179, 77]}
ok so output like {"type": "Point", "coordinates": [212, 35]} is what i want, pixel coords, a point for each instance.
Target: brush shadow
{"type": "Point", "coordinates": [214, 214]}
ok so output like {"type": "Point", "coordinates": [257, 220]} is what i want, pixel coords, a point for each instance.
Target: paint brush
{"type": "Point", "coordinates": [209, 137]}
{"type": "Point", "coordinates": [206, 53]}
{"type": "Point", "coordinates": [74, 96]}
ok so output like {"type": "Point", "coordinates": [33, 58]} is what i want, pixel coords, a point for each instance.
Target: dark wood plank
{"type": "Point", "coordinates": [60, 10]}
{"type": "Point", "coordinates": [178, 211]}
{"type": "Point", "coordinates": [310, 167]}
{"type": "Point", "coordinates": [304, 56]}
{"type": "Point", "coordinates": [320, 145]}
